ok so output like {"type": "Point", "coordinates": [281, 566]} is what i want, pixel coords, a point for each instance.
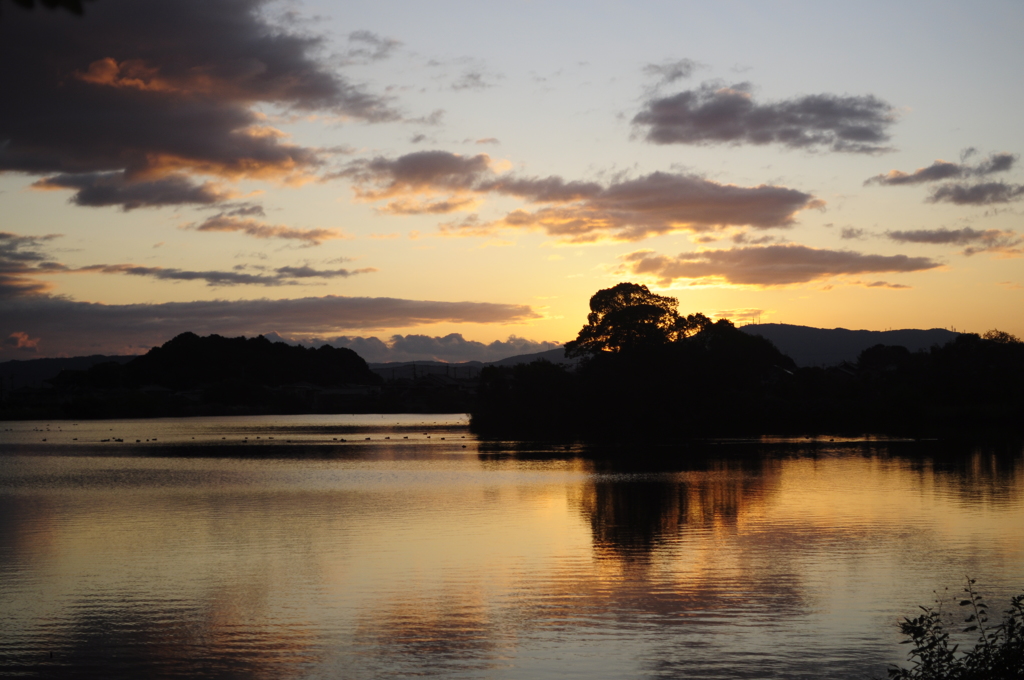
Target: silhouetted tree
{"type": "Point", "coordinates": [881, 358]}
{"type": "Point", "coordinates": [650, 374]}
{"type": "Point", "coordinates": [630, 317]}
{"type": "Point", "coordinates": [996, 335]}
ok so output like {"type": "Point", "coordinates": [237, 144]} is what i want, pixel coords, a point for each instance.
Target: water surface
{"type": "Point", "coordinates": [400, 546]}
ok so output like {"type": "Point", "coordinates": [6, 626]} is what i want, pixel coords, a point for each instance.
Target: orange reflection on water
{"type": "Point", "coordinates": [395, 565]}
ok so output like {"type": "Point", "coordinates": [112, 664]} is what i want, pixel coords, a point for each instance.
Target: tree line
{"type": "Point", "coordinates": [650, 373]}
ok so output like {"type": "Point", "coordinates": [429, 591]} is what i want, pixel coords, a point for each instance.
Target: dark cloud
{"type": "Point", "coordinates": [282, 276]}
{"type": "Point", "coordinates": [985, 193]}
{"type": "Point", "coordinates": [852, 233]}
{"type": "Point", "coordinates": [659, 203]}
{"type": "Point", "coordinates": [21, 257]}
{"type": "Point", "coordinates": [96, 189]}
{"type": "Point", "coordinates": [938, 170]}
{"type": "Point", "coordinates": [66, 327]}
{"type": "Point", "coordinates": [541, 189]}
{"type": "Point", "coordinates": [670, 71]}
{"type": "Point", "coordinates": [997, 162]}
{"type": "Point", "coordinates": [717, 114]}
{"type": "Point", "coordinates": [975, 241]}
{"type": "Point", "coordinates": [413, 173]}
{"type": "Point", "coordinates": [366, 46]}
{"type": "Point", "coordinates": [257, 229]}
{"type": "Point", "coordinates": [450, 348]}
{"type": "Point", "coordinates": [154, 89]}
{"type": "Point", "coordinates": [942, 170]}
{"type": "Point", "coordinates": [12, 285]}
{"type": "Point", "coordinates": [776, 265]}
{"type": "Point", "coordinates": [625, 210]}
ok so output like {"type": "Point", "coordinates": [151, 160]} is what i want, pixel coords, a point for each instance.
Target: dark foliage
{"type": "Point", "coordinates": [653, 375]}
{"type": "Point", "coordinates": [189, 362]}
{"type": "Point", "coordinates": [998, 654]}
{"type": "Point", "coordinates": [630, 318]}
{"type": "Point", "coordinates": [214, 375]}
{"type": "Point", "coordinates": [715, 380]}
{"type": "Point", "coordinates": [533, 399]}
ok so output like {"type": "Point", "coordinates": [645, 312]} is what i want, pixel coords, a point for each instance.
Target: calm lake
{"type": "Point", "coordinates": [401, 546]}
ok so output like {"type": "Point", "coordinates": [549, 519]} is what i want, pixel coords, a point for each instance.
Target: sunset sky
{"type": "Point", "coordinates": [456, 179]}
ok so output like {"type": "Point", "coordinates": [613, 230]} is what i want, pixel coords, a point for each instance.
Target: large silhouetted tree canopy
{"type": "Point", "coordinates": [652, 375]}
{"type": "Point", "coordinates": [629, 317]}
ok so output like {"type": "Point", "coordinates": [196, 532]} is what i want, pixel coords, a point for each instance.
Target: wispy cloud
{"type": "Point", "coordinates": [23, 262]}
{"type": "Point", "coordinates": [472, 80]}
{"type": "Point", "coordinates": [885, 284]}
{"type": "Point", "coordinates": [943, 170]}
{"type": "Point", "coordinates": [669, 71]}
{"type": "Point", "coordinates": [68, 327]}
{"type": "Point", "coordinates": [281, 276]}
{"type": "Point", "coordinates": [367, 46]}
{"type": "Point", "coordinates": [962, 192]}
{"type": "Point", "coordinates": [258, 229]}
{"type": "Point", "coordinates": [986, 193]}
{"type": "Point", "coordinates": [21, 257]}
{"type": "Point", "coordinates": [973, 240]}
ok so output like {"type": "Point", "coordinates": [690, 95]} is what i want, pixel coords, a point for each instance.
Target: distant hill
{"type": "Point", "coordinates": [199, 376]}
{"type": "Point", "coordinates": [806, 345]}
{"type": "Point", "coordinates": [35, 372]}
{"type": "Point", "coordinates": [189, 361]}
{"type": "Point", "coordinates": [555, 356]}
{"type": "Point", "coordinates": [408, 370]}
{"type": "Point", "coordinates": [829, 346]}
{"type": "Point", "coordinates": [395, 370]}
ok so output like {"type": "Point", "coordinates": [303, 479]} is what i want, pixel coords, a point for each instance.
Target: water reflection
{"type": "Point", "coordinates": [631, 515]}
{"type": "Point", "coordinates": [159, 640]}
{"type": "Point", "coordinates": [394, 558]}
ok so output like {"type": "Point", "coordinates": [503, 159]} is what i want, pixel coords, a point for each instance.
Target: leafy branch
{"type": "Point", "coordinates": [998, 654]}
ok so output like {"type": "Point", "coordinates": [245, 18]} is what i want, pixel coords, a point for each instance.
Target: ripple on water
{"type": "Point", "coordinates": [414, 557]}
